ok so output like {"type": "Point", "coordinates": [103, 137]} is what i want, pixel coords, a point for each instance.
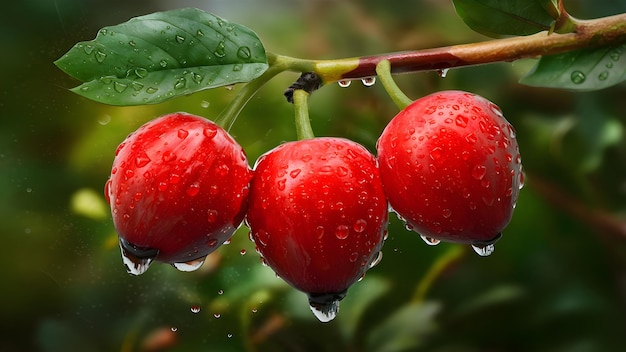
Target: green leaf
{"type": "Point", "coordinates": [164, 55]}
{"type": "Point", "coordinates": [497, 18]}
{"type": "Point", "coordinates": [582, 70]}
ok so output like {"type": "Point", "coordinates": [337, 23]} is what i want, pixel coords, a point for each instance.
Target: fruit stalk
{"type": "Point", "coordinates": [303, 123]}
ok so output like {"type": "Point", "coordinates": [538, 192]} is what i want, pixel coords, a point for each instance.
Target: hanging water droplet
{"type": "Point", "coordinates": [368, 81]}
{"type": "Point", "coordinates": [344, 83]}
{"type": "Point", "coordinates": [325, 312]}
{"type": "Point", "coordinates": [244, 52]}
{"type": "Point", "coordinates": [443, 72]}
{"type": "Point", "coordinates": [136, 259]}
{"type": "Point", "coordinates": [190, 265]}
{"type": "Point", "coordinates": [483, 250]}
{"type": "Point", "coordinates": [430, 241]}
{"type": "Point", "coordinates": [379, 257]}
{"type": "Point", "coordinates": [195, 309]}
{"type": "Point", "coordinates": [578, 77]}
{"type": "Point", "coordinates": [174, 329]}
{"type": "Point", "coordinates": [217, 315]}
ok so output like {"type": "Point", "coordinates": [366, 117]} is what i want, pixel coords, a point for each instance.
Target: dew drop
{"type": "Point", "coordinates": [168, 156]}
{"type": "Point", "coordinates": [294, 173]}
{"type": "Point", "coordinates": [446, 213]}
{"type": "Point", "coordinates": [603, 75]}
{"type": "Point", "coordinates": [136, 259]}
{"type": "Point", "coordinates": [479, 172]}
{"type": "Point", "coordinates": [442, 72]}
{"type": "Point", "coordinates": [244, 53]}
{"type": "Point", "coordinates": [482, 250]}
{"type": "Point", "coordinates": [353, 257]}
{"type": "Point", "coordinates": [212, 215]}
{"type": "Point", "coordinates": [180, 39]}
{"type": "Point", "coordinates": [430, 241]}
{"type": "Point", "coordinates": [195, 309]}
{"type": "Point", "coordinates": [100, 56]}
{"type": "Point", "coordinates": [220, 292]}
{"type": "Point", "coordinates": [142, 160]}
{"type": "Point", "coordinates": [88, 49]}
{"type": "Point", "coordinates": [119, 86]}
{"type": "Point", "coordinates": [342, 171]}
{"type": "Point", "coordinates": [163, 63]}
{"type": "Point", "coordinates": [210, 132]}
{"type": "Point", "coordinates": [217, 315]}
{"type": "Point", "coordinates": [344, 83]}
{"type": "Point", "coordinates": [205, 104]}
{"type": "Point", "coordinates": [368, 81]}
{"type": "Point", "coordinates": [180, 83]}
{"type": "Point", "coordinates": [435, 154]}
{"type": "Point", "coordinates": [281, 184]}
{"type": "Point", "coordinates": [243, 252]}
{"type": "Point", "coordinates": [342, 231]}
{"type": "Point", "coordinates": [190, 265]}
{"type": "Point", "coordinates": [151, 90]}
{"type": "Point", "coordinates": [174, 329]}
{"type": "Point", "coordinates": [220, 50]}
{"type": "Point", "coordinates": [325, 312]}
{"type": "Point", "coordinates": [193, 190]}
{"type": "Point", "coordinates": [359, 225]}
{"type": "Point", "coordinates": [379, 257]}
{"type": "Point", "coordinates": [461, 121]}
{"type": "Point", "coordinates": [319, 231]}
{"type": "Point", "coordinates": [578, 77]}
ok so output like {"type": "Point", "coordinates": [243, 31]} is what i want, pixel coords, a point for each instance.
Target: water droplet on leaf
{"type": "Point", "coordinates": [244, 53]}
{"type": "Point", "coordinates": [578, 77]}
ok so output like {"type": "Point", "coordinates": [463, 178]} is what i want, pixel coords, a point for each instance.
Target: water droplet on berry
{"type": "Point", "coordinates": [379, 257]}
{"type": "Point", "coordinates": [294, 173]}
{"type": "Point", "coordinates": [483, 250]}
{"type": "Point", "coordinates": [190, 265]}
{"type": "Point", "coordinates": [435, 154]}
{"type": "Point", "coordinates": [430, 241]}
{"type": "Point", "coordinates": [319, 231]}
{"type": "Point", "coordinates": [136, 259]}
{"type": "Point", "coordinates": [142, 160]}
{"type": "Point", "coordinates": [210, 132]}
{"type": "Point", "coordinates": [281, 184]}
{"type": "Point", "coordinates": [325, 312]}
{"type": "Point", "coordinates": [193, 190]}
{"type": "Point", "coordinates": [368, 81]}
{"type": "Point", "coordinates": [344, 83]}
{"type": "Point", "coordinates": [195, 309]}
{"type": "Point", "coordinates": [212, 215]}
{"type": "Point", "coordinates": [342, 232]}
{"type": "Point", "coordinates": [359, 225]}
{"type": "Point", "coordinates": [353, 257]}
{"type": "Point", "coordinates": [479, 172]}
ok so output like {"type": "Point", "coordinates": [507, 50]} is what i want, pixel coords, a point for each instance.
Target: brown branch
{"type": "Point", "coordinates": [589, 33]}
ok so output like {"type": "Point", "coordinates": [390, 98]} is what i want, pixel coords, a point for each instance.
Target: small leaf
{"type": "Point", "coordinates": [163, 55]}
{"type": "Point", "coordinates": [581, 70]}
{"type": "Point", "coordinates": [497, 18]}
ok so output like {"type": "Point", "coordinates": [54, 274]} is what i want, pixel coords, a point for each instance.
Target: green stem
{"type": "Point", "coordinates": [383, 69]}
{"type": "Point", "coordinates": [227, 117]}
{"type": "Point", "coordinates": [303, 123]}
{"type": "Point", "coordinates": [436, 269]}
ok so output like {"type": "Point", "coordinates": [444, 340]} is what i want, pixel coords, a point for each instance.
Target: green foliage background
{"type": "Point", "coordinates": [554, 283]}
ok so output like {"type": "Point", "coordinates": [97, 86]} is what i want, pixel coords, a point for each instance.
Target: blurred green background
{"type": "Point", "coordinates": [556, 282]}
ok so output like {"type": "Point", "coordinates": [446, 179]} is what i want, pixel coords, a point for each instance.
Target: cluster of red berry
{"type": "Point", "coordinates": [317, 209]}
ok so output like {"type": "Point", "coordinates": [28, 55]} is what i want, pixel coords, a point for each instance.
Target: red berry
{"type": "Point", "coordinates": [178, 189]}
{"type": "Point", "coordinates": [451, 168]}
{"type": "Point", "coordinates": [318, 216]}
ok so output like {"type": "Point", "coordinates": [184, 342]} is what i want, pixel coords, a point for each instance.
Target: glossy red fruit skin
{"type": "Point", "coordinates": [451, 167]}
{"type": "Point", "coordinates": [318, 213]}
{"type": "Point", "coordinates": [179, 185]}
